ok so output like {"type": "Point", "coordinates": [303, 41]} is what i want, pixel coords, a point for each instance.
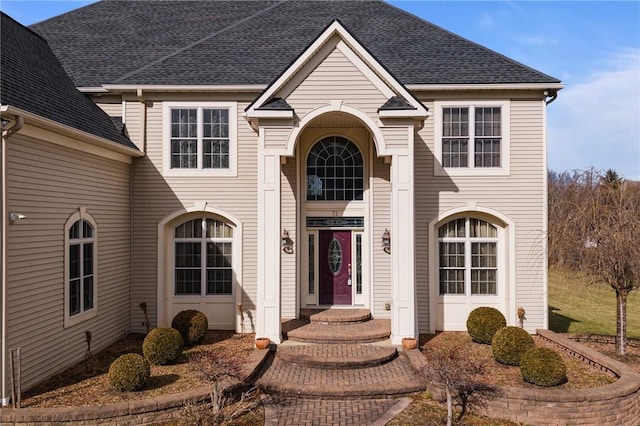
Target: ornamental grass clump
{"type": "Point", "coordinates": [543, 367]}
{"type": "Point", "coordinates": [129, 372]}
{"type": "Point", "coordinates": [509, 344]}
{"type": "Point", "coordinates": [192, 325]}
{"type": "Point", "coordinates": [162, 345]}
{"type": "Point", "coordinates": [483, 323]}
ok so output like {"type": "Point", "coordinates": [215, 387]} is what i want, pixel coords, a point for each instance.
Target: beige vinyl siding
{"type": "Point", "coordinates": [157, 196]}
{"type": "Point", "coordinates": [381, 220]}
{"type": "Point", "coordinates": [111, 105]}
{"type": "Point", "coordinates": [336, 78]}
{"type": "Point", "coordinates": [288, 214]}
{"type": "Point", "coordinates": [519, 196]}
{"type": "Point", "coordinates": [47, 184]}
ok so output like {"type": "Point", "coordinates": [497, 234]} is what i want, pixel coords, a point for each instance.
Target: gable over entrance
{"type": "Point", "coordinates": [334, 82]}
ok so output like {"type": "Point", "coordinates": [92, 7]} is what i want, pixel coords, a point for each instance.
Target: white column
{"type": "Point", "coordinates": [403, 321]}
{"type": "Point", "coordinates": [268, 316]}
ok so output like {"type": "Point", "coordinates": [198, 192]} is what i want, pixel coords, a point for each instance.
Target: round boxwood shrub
{"type": "Point", "coordinates": [543, 367]}
{"type": "Point", "coordinates": [129, 372]}
{"type": "Point", "coordinates": [192, 325]}
{"type": "Point", "coordinates": [162, 345]}
{"type": "Point", "coordinates": [510, 343]}
{"type": "Point", "coordinates": [483, 323]}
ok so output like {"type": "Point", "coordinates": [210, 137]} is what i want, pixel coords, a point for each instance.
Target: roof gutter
{"type": "Point", "coordinates": [497, 86]}
{"type": "Point", "coordinates": [143, 114]}
{"type": "Point", "coordinates": [122, 88]}
{"type": "Point", "coordinates": [89, 138]}
{"type": "Point", "coordinates": [14, 126]}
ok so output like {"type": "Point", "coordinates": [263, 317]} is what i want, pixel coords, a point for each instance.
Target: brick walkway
{"type": "Point", "coordinates": [335, 378]}
{"type": "Point", "coordinates": [282, 411]}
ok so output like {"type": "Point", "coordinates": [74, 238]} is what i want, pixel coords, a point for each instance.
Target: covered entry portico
{"type": "Point", "coordinates": [334, 213]}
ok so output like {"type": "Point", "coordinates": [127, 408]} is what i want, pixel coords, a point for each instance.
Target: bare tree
{"type": "Point", "coordinates": [594, 226]}
{"type": "Point", "coordinates": [452, 365]}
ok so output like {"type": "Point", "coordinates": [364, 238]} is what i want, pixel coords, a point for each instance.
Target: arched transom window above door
{"type": "Point", "coordinates": [335, 171]}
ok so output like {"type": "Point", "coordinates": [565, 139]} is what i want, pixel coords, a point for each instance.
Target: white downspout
{"type": "Point", "coordinates": [17, 125]}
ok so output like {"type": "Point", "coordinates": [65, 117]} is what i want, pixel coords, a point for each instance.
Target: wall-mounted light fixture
{"type": "Point", "coordinates": [386, 241]}
{"type": "Point", "coordinates": [287, 242]}
{"type": "Point", "coordinates": [15, 217]}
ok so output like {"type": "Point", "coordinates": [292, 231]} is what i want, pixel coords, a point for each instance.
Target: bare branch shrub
{"type": "Point", "coordinates": [594, 227]}
{"type": "Point", "coordinates": [220, 373]}
{"type": "Point", "coordinates": [451, 365]}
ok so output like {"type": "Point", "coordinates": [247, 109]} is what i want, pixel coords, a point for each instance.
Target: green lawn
{"type": "Point", "coordinates": [577, 304]}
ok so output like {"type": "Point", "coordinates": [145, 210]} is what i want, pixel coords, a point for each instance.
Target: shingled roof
{"type": "Point", "coordinates": [207, 42]}
{"type": "Point", "coordinates": [34, 81]}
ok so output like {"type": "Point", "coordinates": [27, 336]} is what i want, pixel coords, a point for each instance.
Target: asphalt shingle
{"type": "Point", "coordinates": [251, 42]}
{"type": "Point", "coordinates": [33, 80]}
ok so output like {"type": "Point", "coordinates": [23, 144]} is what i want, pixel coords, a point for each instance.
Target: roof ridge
{"type": "Point", "coordinates": [195, 43]}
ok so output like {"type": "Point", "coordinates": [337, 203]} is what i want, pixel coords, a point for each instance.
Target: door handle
{"type": "Point", "coordinates": [349, 282]}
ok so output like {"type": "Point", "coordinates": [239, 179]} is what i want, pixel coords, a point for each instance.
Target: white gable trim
{"type": "Point", "coordinates": [337, 106]}
{"type": "Point", "coordinates": [356, 50]}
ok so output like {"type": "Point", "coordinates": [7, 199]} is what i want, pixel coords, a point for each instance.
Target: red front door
{"type": "Point", "coordinates": [335, 267]}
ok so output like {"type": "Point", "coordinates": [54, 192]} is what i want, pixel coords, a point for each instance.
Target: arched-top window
{"type": "Point", "coordinates": [81, 255]}
{"type": "Point", "coordinates": [203, 257]}
{"type": "Point", "coordinates": [335, 171]}
{"type": "Point", "coordinates": [468, 257]}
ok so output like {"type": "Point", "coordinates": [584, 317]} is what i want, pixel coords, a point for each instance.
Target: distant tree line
{"type": "Point", "coordinates": [594, 226]}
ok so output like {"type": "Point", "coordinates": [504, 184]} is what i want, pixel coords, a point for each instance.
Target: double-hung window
{"type": "Point", "coordinates": [203, 258]}
{"type": "Point", "coordinates": [468, 257]}
{"type": "Point", "coordinates": [472, 138]}
{"type": "Point", "coordinates": [80, 268]}
{"type": "Point", "coordinates": [200, 139]}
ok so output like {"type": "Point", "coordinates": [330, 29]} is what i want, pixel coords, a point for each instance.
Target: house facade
{"type": "Point", "coordinates": [284, 156]}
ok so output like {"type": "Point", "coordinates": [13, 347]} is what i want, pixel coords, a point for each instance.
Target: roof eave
{"type": "Point", "coordinates": [86, 137]}
{"type": "Point", "coordinates": [125, 88]}
{"type": "Point", "coordinates": [492, 86]}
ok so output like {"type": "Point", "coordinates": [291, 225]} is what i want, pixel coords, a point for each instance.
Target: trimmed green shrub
{"type": "Point", "coordinates": [162, 345]}
{"type": "Point", "coordinates": [510, 343]}
{"type": "Point", "coordinates": [483, 323]}
{"type": "Point", "coordinates": [129, 372]}
{"type": "Point", "coordinates": [543, 367]}
{"type": "Point", "coordinates": [192, 325]}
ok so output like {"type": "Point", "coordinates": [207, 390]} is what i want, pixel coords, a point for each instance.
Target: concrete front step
{"type": "Point", "coordinates": [362, 332]}
{"type": "Point", "coordinates": [390, 380]}
{"type": "Point", "coordinates": [334, 315]}
{"type": "Point", "coordinates": [337, 356]}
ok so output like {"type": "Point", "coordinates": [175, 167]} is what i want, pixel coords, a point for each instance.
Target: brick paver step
{"type": "Point", "coordinates": [332, 315]}
{"type": "Point", "coordinates": [337, 356]}
{"type": "Point", "coordinates": [371, 331]}
{"type": "Point", "coordinates": [389, 380]}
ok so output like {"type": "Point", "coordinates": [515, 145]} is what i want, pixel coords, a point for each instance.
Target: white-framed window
{"type": "Point", "coordinates": [80, 268]}
{"type": "Point", "coordinates": [203, 262]}
{"type": "Point", "coordinates": [335, 171]}
{"type": "Point", "coordinates": [200, 138]}
{"type": "Point", "coordinates": [472, 138]}
{"type": "Point", "coordinates": [468, 257]}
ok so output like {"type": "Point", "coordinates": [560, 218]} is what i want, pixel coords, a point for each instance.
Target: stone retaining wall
{"type": "Point", "coordinates": [155, 410]}
{"type": "Point", "coordinates": [617, 403]}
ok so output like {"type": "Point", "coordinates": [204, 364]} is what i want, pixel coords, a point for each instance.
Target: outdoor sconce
{"type": "Point", "coordinates": [386, 241]}
{"type": "Point", "coordinates": [15, 217]}
{"type": "Point", "coordinates": [287, 243]}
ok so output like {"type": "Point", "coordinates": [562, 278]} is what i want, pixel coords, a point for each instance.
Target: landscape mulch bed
{"type": "Point", "coordinates": [580, 375]}
{"type": "Point", "coordinates": [87, 384]}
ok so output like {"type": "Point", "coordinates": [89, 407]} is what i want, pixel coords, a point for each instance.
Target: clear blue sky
{"type": "Point", "coordinates": [592, 46]}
